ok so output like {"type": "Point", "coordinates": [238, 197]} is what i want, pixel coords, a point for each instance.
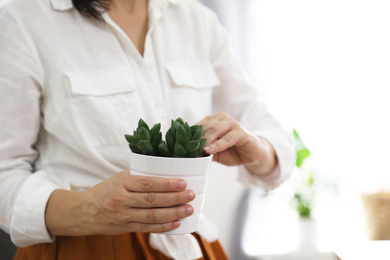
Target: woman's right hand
{"type": "Point", "coordinates": [122, 204]}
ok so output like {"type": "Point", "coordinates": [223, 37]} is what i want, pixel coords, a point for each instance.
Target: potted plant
{"type": "Point", "coordinates": [182, 140]}
{"type": "Point", "coordinates": [178, 156]}
{"type": "Point", "coordinates": [304, 190]}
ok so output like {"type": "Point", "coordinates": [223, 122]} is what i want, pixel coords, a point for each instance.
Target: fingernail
{"type": "Point", "coordinates": [182, 184]}
{"type": "Point", "coordinates": [176, 224]}
{"type": "Point", "coordinates": [189, 210]}
{"type": "Point", "coordinates": [208, 149]}
{"type": "Point", "coordinates": [191, 195]}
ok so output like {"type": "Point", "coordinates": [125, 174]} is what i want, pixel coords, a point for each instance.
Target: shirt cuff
{"type": "Point", "coordinates": [284, 149]}
{"type": "Point", "coordinates": [28, 217]}
{"type": "Point", "coordinates": [268, 182]}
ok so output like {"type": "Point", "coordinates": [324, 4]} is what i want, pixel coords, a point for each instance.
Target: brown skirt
{"type": "Point", "coordinates": [133, 246]}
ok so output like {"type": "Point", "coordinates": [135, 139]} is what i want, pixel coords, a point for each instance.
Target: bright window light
{"type": "Point", "coordinates": [326, 68]}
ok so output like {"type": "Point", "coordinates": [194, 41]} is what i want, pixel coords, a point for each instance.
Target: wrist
{"type": "Point", "coordinates": [267, 164]}
{"type": "Point", "coordinates": [62, 215]}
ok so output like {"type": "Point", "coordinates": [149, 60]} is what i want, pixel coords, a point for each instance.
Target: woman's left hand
{"type": "Point", "coordinates": [232, 144]}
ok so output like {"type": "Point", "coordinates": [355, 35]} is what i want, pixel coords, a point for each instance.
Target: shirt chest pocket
{"type": "Point", "coordinates": [192, 87]}
{"type": "Point", "coordinates": [103, 105]}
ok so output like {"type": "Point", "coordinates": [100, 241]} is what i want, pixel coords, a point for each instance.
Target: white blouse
{"type": "Point", "coordinates": [71, 87]}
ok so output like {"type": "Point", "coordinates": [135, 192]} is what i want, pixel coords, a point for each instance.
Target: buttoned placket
{"type": "Point", "coordinates": [153, 78]}
{"type": "Point", "coordinates": [146, 64]}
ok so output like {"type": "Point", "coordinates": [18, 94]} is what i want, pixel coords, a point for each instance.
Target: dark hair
{"type": "Point", "coordinates": [91, 8]}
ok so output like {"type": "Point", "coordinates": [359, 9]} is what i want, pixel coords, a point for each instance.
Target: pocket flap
{"type": "Point", "coordinates": [101, 82]}
{"type": "Point", "coordinates": [193, 75]}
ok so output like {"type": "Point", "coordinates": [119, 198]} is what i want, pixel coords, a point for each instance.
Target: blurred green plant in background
{"type": "Point", "coordinates": [304, 189]}
{"type": "Point", "coordinates": [309, 189]}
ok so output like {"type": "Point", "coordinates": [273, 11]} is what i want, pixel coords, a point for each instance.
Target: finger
{"type": "Point", "coordinates": [156, 184]}
{"type": "Point", "coordinates": [228, 140]}
{"type": "Point", "coordinates": [153, 228]}
{"type": "Point", "coordinates": [215, 130]}
{"type": "Point", "coordinates": [216, 126]}
{"type": "Point", "coordinates": [158, 200]}
{"type": "Point", "coordinates": [160, 215]}
{"type": "Point", "coordinates": [214, 119]}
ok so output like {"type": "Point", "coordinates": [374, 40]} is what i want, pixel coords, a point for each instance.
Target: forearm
{"type": "Point", "coordinates": [65, 212]}
{"type": "Point", "coordinates": [121, 204]}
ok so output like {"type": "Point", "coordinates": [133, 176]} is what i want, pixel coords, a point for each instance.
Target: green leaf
{"type": "Point", "coordinates": [201, 144]}
{"type": "Point", "coordinates": [150, 152]}
{"type": "Point", "coordinates": [310, 179]}
{"type": "Point", "coordinates": [181, 135]}
{"type": "Point", "coordinates": [155, 129]}
{"type": "Point", "coordinates": [188, 130]}
{"type": "Point", "coordinates": [180, 121]}
{"type": "Point", "coordinates": [134, 149]}
{"type": "Point", "coordinates": [157, 140]}
{"type": "Point", "coordinates": [170, 139]}
{"type": "Point", "coordinates": [303, 210]}
{"type": "Point", "coordinates": [174, 126]}
{"type": "Point", "coordinates": [131, 139]}
{"type": "Point", "coordinates": [179, 150]}
{"type": "Point", "coordinates": [191, 146]}
{"type": "Point", "coordinates": [196, 127]}
{"type": "Point", "coordinates": [145, 146]}
{"type": "Point", "coordinates": [143, 133]}
{"type": "Point", "coordinates": [141, 123]}
{"type": "Point", "coordinates": [197, 135]}
{"type": "Point", "coordinates": [163, 148]}
{"type": "Point", "coordinates": [193, 155]}
{"type": "Point", "coordinates": [301, 156]}
{"type": "Point", "coordinates": [296, 135]}
{"type": "Point", "coordinates": [300, 149]}
{"type": "Point", "coordinates": [302, 205]}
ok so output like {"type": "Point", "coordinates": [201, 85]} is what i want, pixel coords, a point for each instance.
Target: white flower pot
{"type": "Point", "coordinates": [193, 170]}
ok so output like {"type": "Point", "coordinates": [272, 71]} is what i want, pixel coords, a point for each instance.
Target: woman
{"type": "Point", "coordinates": [74, 77]}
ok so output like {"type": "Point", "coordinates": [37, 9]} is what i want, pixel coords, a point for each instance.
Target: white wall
{"type": "Point", "coordinates": [326, 67]}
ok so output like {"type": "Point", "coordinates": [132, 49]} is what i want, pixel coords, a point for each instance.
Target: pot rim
{"type": "Point", "coordinates": [207, 157]}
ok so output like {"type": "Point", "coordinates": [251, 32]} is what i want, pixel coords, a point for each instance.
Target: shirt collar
{"type": "Point", "coordinates": [64, 5]}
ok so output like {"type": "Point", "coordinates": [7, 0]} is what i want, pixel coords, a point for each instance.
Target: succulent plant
{"type": "Point", "coordinates": [145, 140]}
{"type": "Point", "coordinates": [181, 140]}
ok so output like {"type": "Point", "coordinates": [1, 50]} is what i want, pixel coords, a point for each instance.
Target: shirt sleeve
{"type": "Point", "coordinates": [23, 192]}
{"type": "Point", "coordinates": [238, 97]}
